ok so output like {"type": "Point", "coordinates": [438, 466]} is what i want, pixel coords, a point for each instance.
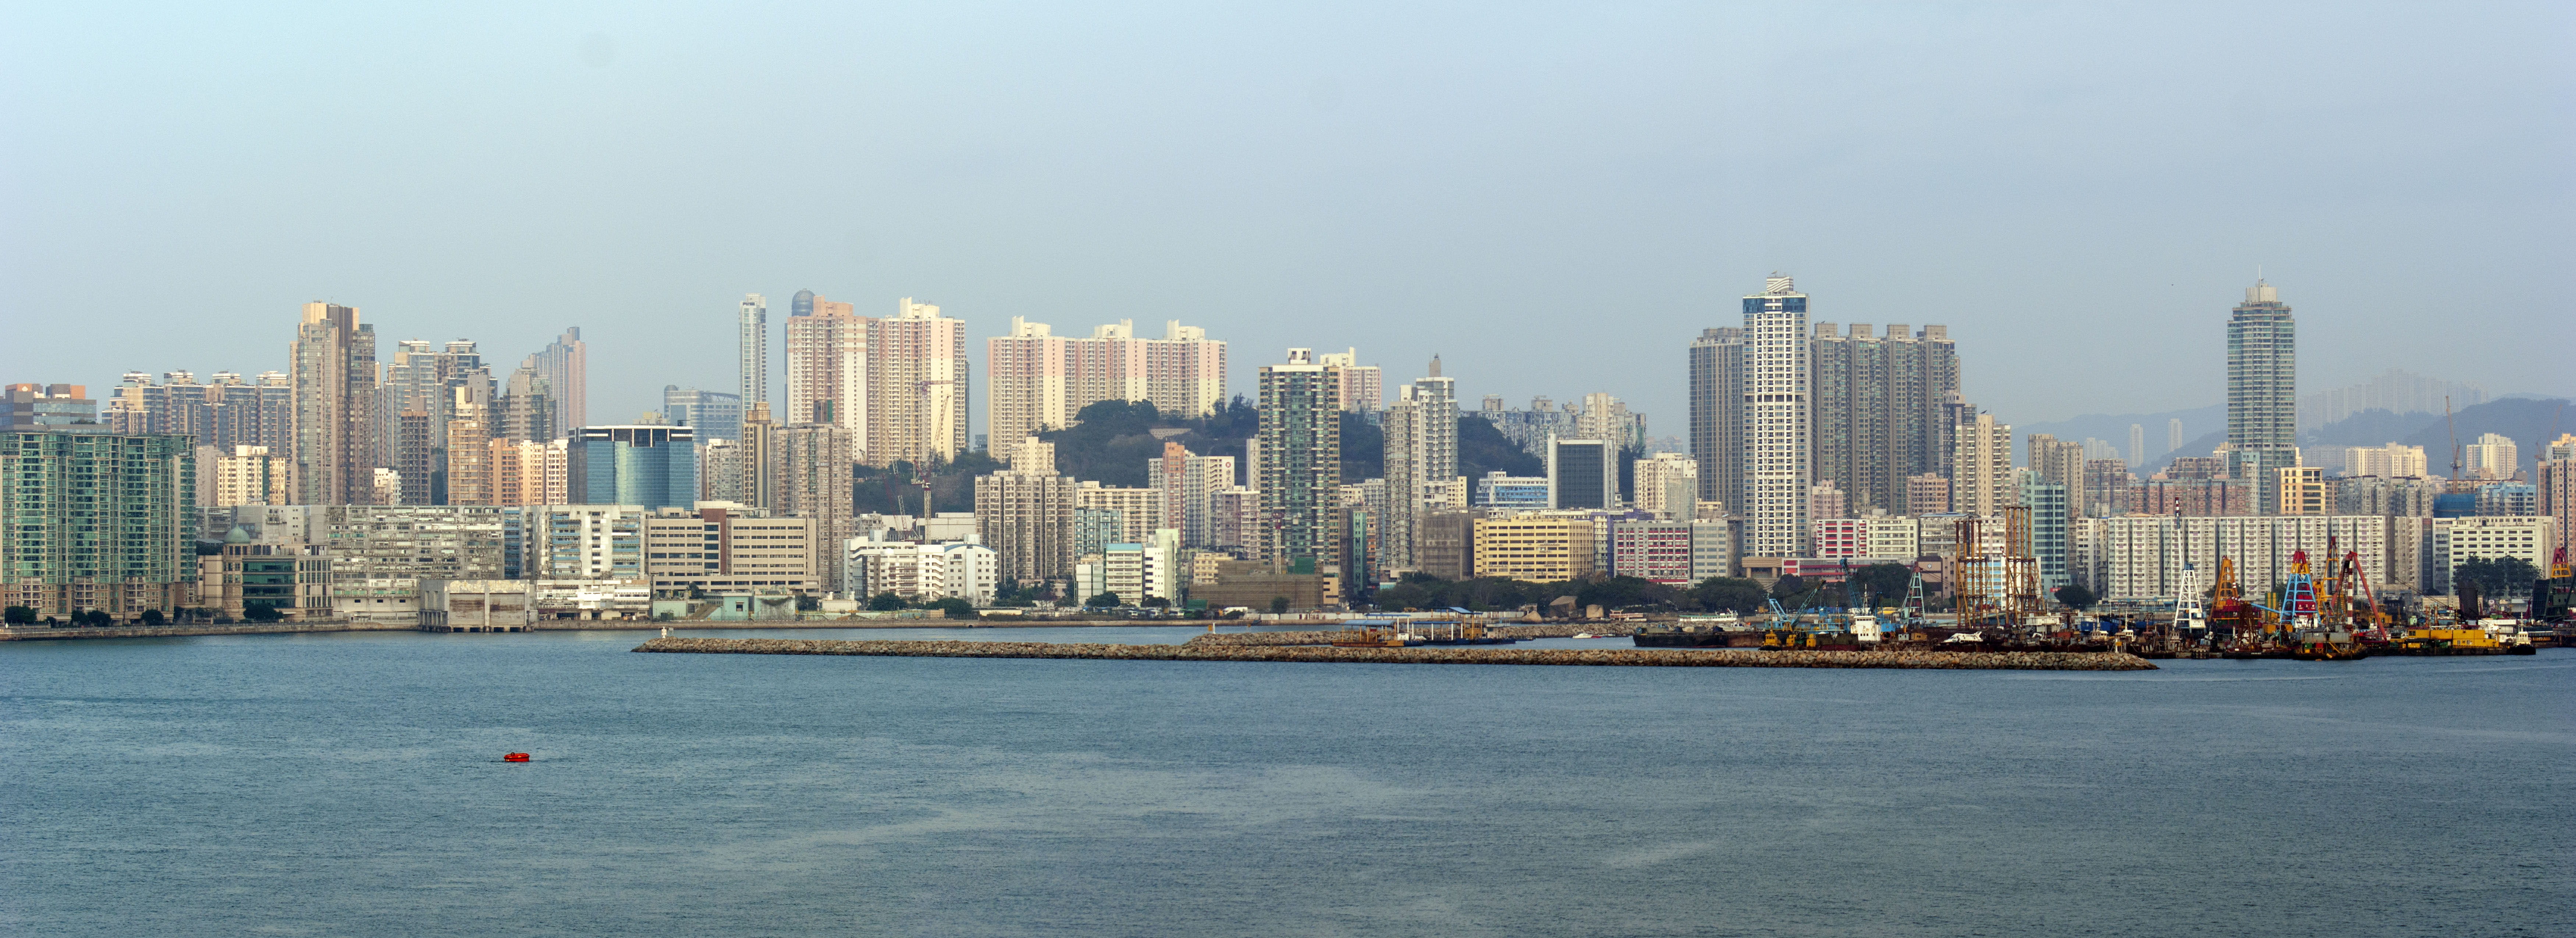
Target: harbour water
{"type": "Point", "coordinates": [352, 785]}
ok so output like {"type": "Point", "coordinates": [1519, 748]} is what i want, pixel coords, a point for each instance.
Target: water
{"type": "Point", "coordinates": [350, 785]}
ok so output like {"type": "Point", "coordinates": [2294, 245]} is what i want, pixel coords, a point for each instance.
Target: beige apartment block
{"type": "Point", "coordinates": [1533, 548]}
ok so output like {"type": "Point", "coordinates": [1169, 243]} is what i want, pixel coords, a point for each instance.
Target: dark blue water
{"type": "Point", "coordinates": [350, 785]}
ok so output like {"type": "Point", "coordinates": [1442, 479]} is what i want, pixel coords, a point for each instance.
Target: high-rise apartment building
{"type": "Point", "coordinates": [1139, 511]}
{"type": "Point", "coordinates": [469, 448]}
{"type": "Point", "coordinates": [564, 363]}
{"type": "Point", "coordinates": [1363, 386]}
{"type": "Point", "coordinates": [526, 408]}
{"type": "Point", "coordinates": [1777, 446]}
{"type": "Point", "coordinates": [242, 475]}
{"type": "Point", "coordinates": [2262, 392]}
{"type": "Point", "coordinates": [755, 470]}
{"type": "Point", "coordinates": [1534, 548]}
{"type": "Point", "coordinates": [1301, 453]}
{"type": "Point", "coordinates": [1927, 494]}
{"type": "Point", "coordinates": [1981, 480]}
{"type": "Point", "coordinates": [1025, 514]}
{"type": "Point", "coordinates": [917, 395]}
{"type": "Point", "coordinates": [2302, 491]}
{"type": "Point", "coordinates": [827, 365]}
{"type": "Point", "coordinates": [2391, 461]}
{"type": "Point", "coordinates": [1717, 414]}
{"type": "Point", "coordinates": [1421, 450]}
{"type": "Point", "coordinates": [1190, 483]}
{"type": "Point", "coordinates": [2554, 485]}
{"type": "Point", "coordinates": [815, 472]}
{"type": "Point", "coordinates": [97, 521]}
{"type": "Point", "coordinates": [1878, 404]}
{"type": "Point", "coordinates": [415, 401]}
{"type": "Point", "coordinates": [2493, 456]}
{"type": "Point", "coordinates": [714, 414]}
{"type": "Point", "coordinates": [332, 370]}
{"type": "Point", "coordinates": [654, 466]}
{"type": "Point", "coordinates": [530, 472]}
{"type": "Point", "coordinates": [1037, 380]}
{"type": "Point", "coordinates": [1666, 484]}
{"type": "Point", "coordinates": [751, 350]}
{"type": "Point", "coordinates": [2050, 517]}
{"type": "Point", "coordinates": [224, 411]}
{"type": "Point", "coordinates": [2062, 462]}
{"type": "Point", "coordinates": [2106, 488]}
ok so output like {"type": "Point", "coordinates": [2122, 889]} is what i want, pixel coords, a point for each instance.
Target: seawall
{"type": "Point", "coordinates": [1630, 657]}
{"type": "Point", "coordinates": [40, 633]}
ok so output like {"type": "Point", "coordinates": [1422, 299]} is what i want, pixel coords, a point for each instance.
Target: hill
{"type": "Point", "coordinates": [2530, 422]}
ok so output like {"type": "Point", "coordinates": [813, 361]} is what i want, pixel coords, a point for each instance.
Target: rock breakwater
{"type": "Point", "coordinates": [1630, 657]}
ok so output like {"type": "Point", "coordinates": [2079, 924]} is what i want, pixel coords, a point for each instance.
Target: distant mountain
{"type": "Point", "coordinates": [2369, 428]}
{"type": "Point", "coordinates": [2114, 429]}
{"type": "Point", "coordinates": [2528, 421]}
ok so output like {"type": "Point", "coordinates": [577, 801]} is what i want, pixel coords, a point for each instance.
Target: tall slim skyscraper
{"type": "Point", "coordinates": [2173, 438]}
{"type": "Point", "coordinates": [1421, 433]}
{"type": "Point", "coordinates": [2262, 393]}
{"type": "Point", "coordinates": [1777, 422]}
{"type": "Point", "coordinates": [1981, 481]}
{"type": "Point", "coordinates": [1301, 454]}
{"type": "Point", "coordinates": [917, 375]}
{"type": "Point", "coordinates": [562, 364]}
{"type": "Point", "coordinates": [1717, 414]}
{"type": "Point", "coordinates": [827, 365]}
{"type": "Point", "coordinates": [2137, 444]}
{"type": "Point", "coordinates": [814, 481]}
{"type": "Point", "coordinates": [751, 344]}
{"type": "Point", "coordinates": [1036, 380]}
{"type": "Point", "coordinates": [332, 366]}
{"type": "Point", "coordinates": [1877, 401]}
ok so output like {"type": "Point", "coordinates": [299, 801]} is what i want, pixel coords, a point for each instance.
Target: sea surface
{"type": "Point", "coordinates": [351, 784]}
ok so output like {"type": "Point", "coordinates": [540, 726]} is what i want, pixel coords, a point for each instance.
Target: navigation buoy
{"type": "Point", "coordinates": [515, 757]}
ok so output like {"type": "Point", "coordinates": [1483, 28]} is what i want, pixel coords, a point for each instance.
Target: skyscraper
{"type": "Point", "coordinates": [2137, 445]}
{"type": "Point", "coordinates": [1585, 474]}
{"type": "Point", "coordinates": [1026, 515]}
{"type": "Point", "coordinates": [1877, 400]}
{"type": "Point", "coordinates": [1717, 414]}
{"type": "Point", "coordinates": [332, 367]}
{"type": "Point", "coordinates": [1421, 434]}
{"type": "Point", "coordinates": [2262, 393]}
{"type": "Point", "coordinates": [1036, 380]}
{"type": "Point", "coordinates": [827, 365]}
{"type": "Point", "coordinates": [563, 365]}
{"type": "Point", "coordinates": [655, 466]}
{"type": "Point", "coordinates": [1776, 443]}
{"type": "Point", "coordinates": [917, 386]}
{"type": "Point", "coordinates": [751, 345]}
{"type": "Point", "coordinates": [1363, 386]}
{"type": "Point", "coordinates": [1301, 454]}
{"type": "Point", "coordinates": [2173, 438]}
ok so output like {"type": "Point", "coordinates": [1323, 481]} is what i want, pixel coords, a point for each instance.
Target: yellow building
{"type": "Point", "coordinates": [1534, 548]}
{"type": "Point", "coordinates": [2303, 491]}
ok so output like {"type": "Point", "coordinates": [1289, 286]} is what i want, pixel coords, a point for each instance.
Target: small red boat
{"type": "Point", "coordinates": [515, 757]}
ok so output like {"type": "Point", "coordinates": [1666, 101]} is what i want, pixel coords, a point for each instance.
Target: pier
{"type": "Point", "coordinates": [1308, 654]}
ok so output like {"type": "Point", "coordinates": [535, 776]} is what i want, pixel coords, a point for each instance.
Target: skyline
{"type": "Point", "coordinates": [1411, 184]}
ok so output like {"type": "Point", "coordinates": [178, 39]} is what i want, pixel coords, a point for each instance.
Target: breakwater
{"type": "Point", "coordinates": [1630, 657]}
{"type": "Point", "coordinates": [1551, 630]}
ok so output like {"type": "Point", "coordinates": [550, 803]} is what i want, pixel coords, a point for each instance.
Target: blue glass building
{"type": "Point", "coordinates": [651, 466]}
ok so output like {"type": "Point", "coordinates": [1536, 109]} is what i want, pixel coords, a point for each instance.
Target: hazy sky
{"type": "Point", "coordinates": [1554, 199]}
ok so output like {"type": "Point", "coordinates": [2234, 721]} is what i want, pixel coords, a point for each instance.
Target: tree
{"type": "Point", "coordinates": [955, 608]}
{"type": "Point", "coordinates": [152, 617]}
{"type": "Point", "coordinates": [21, 615]}
{"type": "Point", "coordinates": [1279, 604]}
{"type": "Point", "coordinates": [260, 612]}
{"type": "Point", "coordinates": [1880, 583]}
{"type": "Point", "coordinates": [1728, 594]}
{"type": "Point", "coordinates": [1102, 601]}
{"type": "Point", "coordinates": [2074, 594]}
{"type": "Point", "coordinates": [1788, 587]}
{"type": "Point", "coordinates": [1156, 602]}
{"type": "Point", "coordinates": [885, 602]}
{"type": "Point", "coordinates": [2496, 577]}
{"type": "Point", "coordinates": [806, 603]}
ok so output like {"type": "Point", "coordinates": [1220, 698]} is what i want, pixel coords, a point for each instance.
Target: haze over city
{"type": "Point", "coordinates": [1556, 201]}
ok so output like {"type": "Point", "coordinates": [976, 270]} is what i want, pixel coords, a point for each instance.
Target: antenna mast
{"type": "Point", "coordinates": [2454, 423]}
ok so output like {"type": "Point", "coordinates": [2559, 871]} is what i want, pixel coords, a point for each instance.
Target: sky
{"type": "Point", "coordinates": [1555, 199]}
